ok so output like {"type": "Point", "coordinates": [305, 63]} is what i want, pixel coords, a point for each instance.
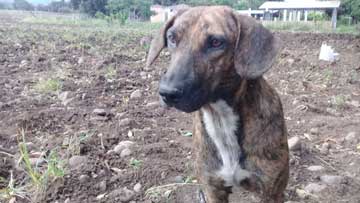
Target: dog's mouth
{"type": "Point", "coordinates": [191, 100]}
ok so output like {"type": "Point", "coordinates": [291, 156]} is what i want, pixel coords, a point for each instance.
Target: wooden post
{"type": "Point", "coordinates": [334, 19]}
{"type": "Point", "coordinates": [290, 15]}
{"type": "Point", "coordinates": [306, 16]}
{"type": "Point", "coordinates": [298, 15]}
{"type": "Point", "coordinates": [285, 15]}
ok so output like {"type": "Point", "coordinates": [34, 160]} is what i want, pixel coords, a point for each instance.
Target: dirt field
{"type": "Point", "coordinates": [79, 91]}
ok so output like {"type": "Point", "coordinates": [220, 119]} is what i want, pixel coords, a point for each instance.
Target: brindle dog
{"type": "Point", "coordinates": [218, 58]}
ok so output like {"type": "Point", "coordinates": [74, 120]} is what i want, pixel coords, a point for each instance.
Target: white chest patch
{"type": "Point", "coordinates": [221, 125]}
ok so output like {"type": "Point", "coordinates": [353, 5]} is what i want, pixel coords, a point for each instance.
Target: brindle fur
{"type": "Point", "coordinates": [234, 76]}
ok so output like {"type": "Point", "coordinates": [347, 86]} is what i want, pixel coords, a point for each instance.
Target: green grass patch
{"type": "Point", "coordinates": [47, 86]}
{"type": "Point", "coordinates": [316, 27]}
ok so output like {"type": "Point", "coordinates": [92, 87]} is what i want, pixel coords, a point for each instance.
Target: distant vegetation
{"type": "Point", "coordinates": [122, 10]}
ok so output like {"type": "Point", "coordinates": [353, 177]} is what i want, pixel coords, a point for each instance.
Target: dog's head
{"type": "Point", "coordinates": [212, 50]}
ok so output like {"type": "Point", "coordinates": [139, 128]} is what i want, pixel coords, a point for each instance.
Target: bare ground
{"type": "Point", "coordinates": [100, 69]}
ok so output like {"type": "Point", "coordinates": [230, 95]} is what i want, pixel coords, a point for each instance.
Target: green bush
{"type": "Point", "coordinates": [316, 16]}
{"type": "Point", "coordinates": [345, 20]}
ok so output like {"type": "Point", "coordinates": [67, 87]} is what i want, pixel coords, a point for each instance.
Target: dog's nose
{"type": "Point", "coordinates": [170, 95]}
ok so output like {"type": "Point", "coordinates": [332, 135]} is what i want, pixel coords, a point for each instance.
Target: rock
{"type": "Point", "coordinates": [137, 187]}
{"type": "Point", "coordinates": [99, 197]}
{"type": "Point", "coordinates": [102, 186]}
{"type": "Point", "coordinates": [30, 146]}
{"type": "Point", "coordinates": [123, 194]}
{"type": "Point", "coordinates": [143, 75]}
{"type": "Point", "coordinates": [99, 112]}
{"type": "Point", "coordinates": [294, 143]}
{"type": "Point", "coordinates": [23, 63]}
{"type": "Point", "coordinates": [125, 122]}
{"type": "Point", "coordinates": [324, 148]}
{"type": "Point", "coordinates": [123, 145]}
{"type": "Point", "coordinates": [314, 131]}
{"type": "Point", "coordinates": [301, 193]}
{"type": "Point", "coordinates": [315, 168]}
{"type": "Point", "coordinates": [63, 95]}
{"type": "Point", "coordinates": [179, 179]}
{"type": "Point", "coordinates": [83, 178]}
{"type": "Point", "coordinates": [36, 161]}
{"type": "Point", "coordinates": [126, 152]}
{"type": "Point", "coordinates": [314, 188]}
{"type": "Point", "coordinates": [153, 104]}
{"type": "Point", "coordinates": [76, 162]}
{"type": "Point", "coordinates": [64, 98]}
{"type": "Point", "coordinates": [330, 179]}
{"type": "Point", "coordinates": [291, 61]}
{"type": "Point", "coordinates": [81, 60]}
{"type": "Point", "coordinates": [351, 137]}
{"type": "Point", "coordinates": [67, 200]}
{"type": "Point", "coordinates": [136, 94]}
{"type": "Point", "coordinates": [355, 103]}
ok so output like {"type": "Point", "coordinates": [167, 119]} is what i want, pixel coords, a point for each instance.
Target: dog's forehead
{"type": "Point", "coordinates": [213, 20]}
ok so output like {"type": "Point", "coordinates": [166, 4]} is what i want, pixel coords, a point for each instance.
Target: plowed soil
{"type": "Point", "coordinates": [100, 69]}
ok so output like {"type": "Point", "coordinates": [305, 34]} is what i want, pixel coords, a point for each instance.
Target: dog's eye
{"type": "Point", "coordinates": [172, 39]}
{"type": "Point", "coordinates": [214, 43]}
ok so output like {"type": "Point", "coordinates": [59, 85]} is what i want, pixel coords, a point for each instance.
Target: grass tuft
{"type": "Point", "coordinates": [47, 86]}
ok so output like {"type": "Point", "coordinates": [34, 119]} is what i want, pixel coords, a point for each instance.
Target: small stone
{"type": "Point", "coordinates": [126, 152]}
{"type": "Point", "coordinates": [324, 148]}
{"type": "Point", "coordinates": [81, 60]}
{"type": "Point", "coordinates": [124, 194]}
{"type": "Point", "coordinates": [143, 74]}
{"type": "Point", "coordinates": [314, 188]}
{"type": "Point", "coordinates": [102, 186]}
{"type": "Point", "coordinates": [351, 137]}
{"type": "Point", "coordinates": [76, 162]}
{"type": "Point", "coordinates": [123, 145]}
{"type": "Point", "coordinates": [67, 200]}
{"type": "Point", "coordinates": [36, 161]}
{"type": "Point", "coordinates": [125, 122]}
{"type": "Point", "coordinates": [30, 146]}
{"type": "Point", "coordinates": [99, 112]}
{"type": "Point", "coordinates": [315, 168]}
{"type": "Point", "coordinates": [301, 193]}
{"type": "Point", "coordinates": [330, 179]}
{"type": "Point", "coordinates": [294, 143]}
{"type": "Point", "coordinates": [179, 179]}
{"type": "Point", "coordinates": [290, 61]}
{"type": "Point", "coordinates": [136, 94]}
{"type": "Point", "coordinates": [83, 178]}
{"type": "Point", "coordinates": [63, 95]}
{"type": "Point", "coordinates": [355, 103]}
{"type": "Point", "coordinates": [99, 197]}
{"type": "Point", "coordinates": [130, 134]}
{"type": "Point", "coordinates": [153, 104]}
{"type": "Point", "coordinates": [23, 63]}
{"type": "Point", "coordinates": [314, 131]}
{"type": "Point", "coordinates": [137, 187]}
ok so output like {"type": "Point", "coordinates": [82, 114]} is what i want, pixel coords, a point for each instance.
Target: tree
{"type": "Point", "coordinates": [92, 6]}
{"type": "Point", "coordinates": [138, 9]}
{"type": "Point", "coordinates": [22, 5]}
{"type": "Point", "coordinates": [352, 8]}
{"type": "Point", "coordinates": [75, 4]}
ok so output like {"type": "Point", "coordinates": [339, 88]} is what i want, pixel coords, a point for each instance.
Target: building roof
{"type": "Point", "coordinates": [300, 4]}
{"type": "Point", "coordinates": [247, 12]}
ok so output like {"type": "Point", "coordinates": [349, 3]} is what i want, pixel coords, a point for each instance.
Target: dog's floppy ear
{"type": "Point", "coordinates": [256, 48]}
{"type": "Point", "coordinates": [159, 41]}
